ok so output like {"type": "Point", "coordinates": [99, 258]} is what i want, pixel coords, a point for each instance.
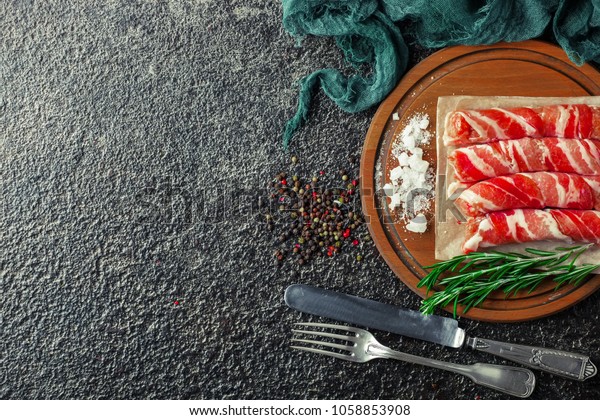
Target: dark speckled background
{"type": "Point", "coordinates": [135, 138]}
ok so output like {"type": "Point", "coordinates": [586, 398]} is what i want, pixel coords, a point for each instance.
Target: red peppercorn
{"type": "Point", "coordinates": [320, 218]}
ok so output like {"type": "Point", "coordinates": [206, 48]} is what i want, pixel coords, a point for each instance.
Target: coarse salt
{"type": "Point", "coordinates": [411, 188]}
{"type": "Point", "coordinates": [396, 173]}
{"type": "Point", "coordinates": [418, 224]}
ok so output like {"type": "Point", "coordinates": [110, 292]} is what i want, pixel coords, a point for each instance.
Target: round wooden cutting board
{"type": "Point", "coordinates": [529, 68]}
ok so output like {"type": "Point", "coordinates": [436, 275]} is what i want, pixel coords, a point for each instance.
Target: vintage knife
{"type": "Point", "coordinates": [433, 328]}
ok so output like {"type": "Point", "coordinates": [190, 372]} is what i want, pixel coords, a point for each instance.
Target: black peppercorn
{"type": "Point", "coordinates": [320, 222]}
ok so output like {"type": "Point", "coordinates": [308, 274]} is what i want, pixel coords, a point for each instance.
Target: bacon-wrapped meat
{"type": "Point", "coordinates": [482, 161]}
{"type": "Point", "coordinates": [526, 225]}
{"type": "Point", "coordinates": [536, 190]}
{"type": "Point", "coordinates": [486, 125]}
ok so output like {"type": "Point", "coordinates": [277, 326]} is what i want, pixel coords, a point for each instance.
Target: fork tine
{"type": "Point", "coordinates": [324, 334]}
{"type": "Point", "coordinates": [330, 326]}
{"type": "Point", "coordinates": [326, 353]}
{"type": "Point", "coordinates": [325, 344]}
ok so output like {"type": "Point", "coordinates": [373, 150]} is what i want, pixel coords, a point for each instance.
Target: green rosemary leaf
{"type": "Point", "coordinates": [455, 311]}
{"type": "Point", "coordinates": [468, 265]}
{"type": "Point", "coordinates": [559, 261]}
{"type": "Point", "coordinates": [539, 252]}
{"type": "Point", "coordinates": [475, 276]}
{"type": "Point", "coordinates": [576, 275]}
{"type": "Point", "coordinates": [573, 248]}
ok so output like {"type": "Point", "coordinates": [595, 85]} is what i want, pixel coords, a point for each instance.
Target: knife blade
{"type": "Point", "coordinates": [432, 328]}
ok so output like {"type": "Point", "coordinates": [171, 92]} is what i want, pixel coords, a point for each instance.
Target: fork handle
{"type": "Point", "coordinates": [512, 380]}
{"type": "Point", "coordinates": [566, 364]}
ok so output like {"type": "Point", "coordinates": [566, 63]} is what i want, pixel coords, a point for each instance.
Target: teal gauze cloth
{"type": "Point", "coordinates": [369, 33]}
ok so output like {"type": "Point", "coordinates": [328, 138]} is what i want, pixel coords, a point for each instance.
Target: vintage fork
{"type": "Point", "coordinates": [361, 347]}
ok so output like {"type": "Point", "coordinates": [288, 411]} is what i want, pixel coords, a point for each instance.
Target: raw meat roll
{"type": "Point", "coordinates": [536, 190]}
{"type": "Point", "coordinates": [526, 225]}
{"type": "Point", "coordinates": [487, 125]}
{"type": "Point", "coordinates": [483, 161]}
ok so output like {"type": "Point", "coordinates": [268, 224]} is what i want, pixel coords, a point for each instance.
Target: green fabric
{"type": "Point", "coordinates": [366, 33]}
{"type": "Point", "coordinates": [576, 26]}
{"type": "Point", "coordinates": [439, 23]}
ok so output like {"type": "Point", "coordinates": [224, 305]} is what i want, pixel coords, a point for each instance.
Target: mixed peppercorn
{"type": "Point", "coordinates": [316, 217]}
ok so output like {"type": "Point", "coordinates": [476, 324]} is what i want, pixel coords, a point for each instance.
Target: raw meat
{"type": "Point", "coordinates": [487, 125]}
{"type": "Point", "coordinates": [526, 225]}
{"type": "Point", "coordinates": [481, 161]}
{"type": "Point", "coordinates": [582, 225]}
{"type": "Point", "coordinates": [536, 190]}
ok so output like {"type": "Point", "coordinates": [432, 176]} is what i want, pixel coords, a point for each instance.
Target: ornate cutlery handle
{"type": "Point", "coordinates": [563, 363]}
{"type": "Point", "coordinates": [512, 380]}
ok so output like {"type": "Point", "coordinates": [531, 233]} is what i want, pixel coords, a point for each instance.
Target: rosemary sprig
{"type": "Point", "coordinates": [480, 273]}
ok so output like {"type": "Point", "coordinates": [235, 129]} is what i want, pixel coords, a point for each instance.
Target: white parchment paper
{"type": "Point", "coordinates": [450, 232]}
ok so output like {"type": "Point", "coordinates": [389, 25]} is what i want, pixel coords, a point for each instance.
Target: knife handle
{"type": "Point", "coordinates": [563, 363]}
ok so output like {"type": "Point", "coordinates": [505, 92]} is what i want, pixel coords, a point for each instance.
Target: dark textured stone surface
{"type": "Point", "coordinates": [116, 115]}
